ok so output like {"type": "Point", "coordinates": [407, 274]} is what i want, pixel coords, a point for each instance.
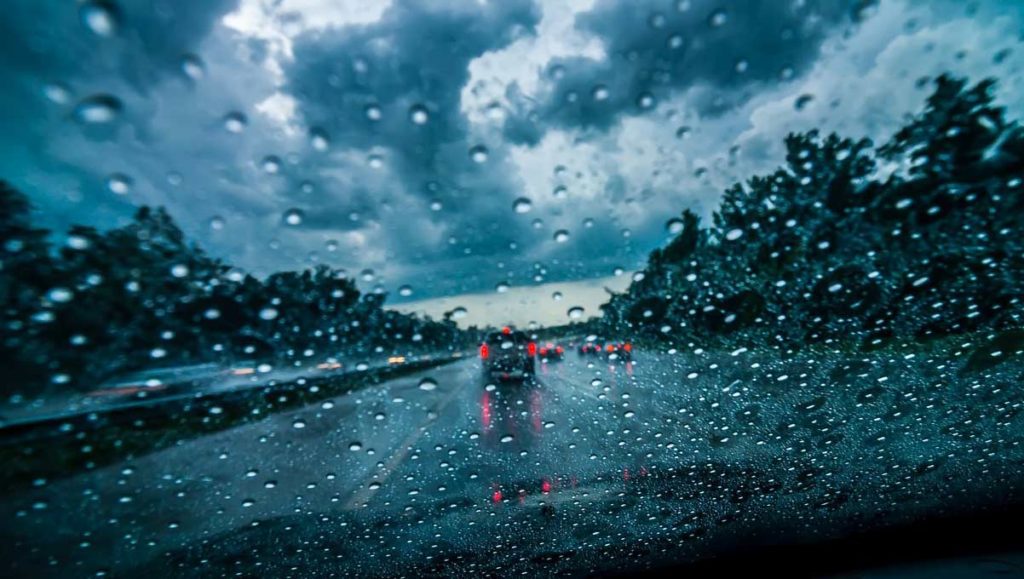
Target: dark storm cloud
{"type": "Point", "coordinates": [46, 44]}
{"type": "Point", "coordinates": [363, 85]}
{"type": "Point", "coordinates": [656, 48]}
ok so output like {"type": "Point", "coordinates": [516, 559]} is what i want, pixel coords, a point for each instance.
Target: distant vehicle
{"type": "Point", "coordinates": [396, 360]}
{"type": "Point", "coordinates": [590, 349]}
{"type": "Point", "coordinates": [508, 354]}
{"type": "Point", "coordinates": [618, 351]}
{"type": "Point", "coordinates": [551, 352]}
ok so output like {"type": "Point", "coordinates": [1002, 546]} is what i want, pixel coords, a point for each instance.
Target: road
{"type": "Point", "coordinates": [593, 466]}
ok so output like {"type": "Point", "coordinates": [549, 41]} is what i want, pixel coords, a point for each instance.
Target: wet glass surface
{"type": "Point", "coordinates": [551, 287]}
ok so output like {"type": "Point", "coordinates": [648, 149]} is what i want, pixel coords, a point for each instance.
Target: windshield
{"type": "Point", "coordinates": [403, 288]}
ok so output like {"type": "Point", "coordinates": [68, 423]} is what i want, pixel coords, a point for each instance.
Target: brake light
{"type": "Point", "coordinates": [610, 348]}
{"type": "Point", "coordinates": [484, 351]}
{"type": "Point", "coordinates": [531, 349]}
{"type": "Point", "coordinates": [559, 350]}
{"type": "Point", "coordinates": [628, 347]}
{"type": "Point", "coordinates": [506, 330]}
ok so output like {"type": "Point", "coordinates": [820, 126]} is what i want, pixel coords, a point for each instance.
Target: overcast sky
{"type": "Point", "coordinates": [393, 139]}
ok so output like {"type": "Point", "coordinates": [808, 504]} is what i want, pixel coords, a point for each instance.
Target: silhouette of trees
{"type": "Point", "coordinates": [921, 237]}
{"type": "Point", "coordinates": [142, 295]}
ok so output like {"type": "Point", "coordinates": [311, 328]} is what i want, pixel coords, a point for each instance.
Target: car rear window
{"type": "Point", "coordinates": [517, 337]}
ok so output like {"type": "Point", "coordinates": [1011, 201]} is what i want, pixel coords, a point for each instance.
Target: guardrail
{"type": "Point", "coordinates": [56, 446]}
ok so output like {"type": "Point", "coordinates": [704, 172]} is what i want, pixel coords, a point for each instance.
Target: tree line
{"type": "Point", "coordinates": [918, 238]}
{"type": "Point", "coordinates": [141, 295]}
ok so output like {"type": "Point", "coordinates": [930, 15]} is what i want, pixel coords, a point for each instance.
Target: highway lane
{"type": "Point", "coordinates": [456, 473]}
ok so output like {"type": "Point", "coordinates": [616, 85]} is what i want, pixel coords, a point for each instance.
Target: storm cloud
{"type": "Point", "coordinates": [404, 133]}
{"type": "Point", "coordinates": [655, 49]}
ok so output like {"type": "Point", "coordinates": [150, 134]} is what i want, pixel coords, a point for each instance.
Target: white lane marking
{"type": "Point", "coordinates": [362, 493]}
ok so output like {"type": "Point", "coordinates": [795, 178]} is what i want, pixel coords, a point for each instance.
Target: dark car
{"type": "Point", "coordinates": [551, 352]}
{"type": "Point", "coordinates": [590, 349]}
{"type": "Point", "coordinates": [508, 354]}
{"type": "Point", "coordinates": [618, 351]}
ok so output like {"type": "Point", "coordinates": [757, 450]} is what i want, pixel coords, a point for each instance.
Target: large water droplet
{"type": "Point", "coordinates": [119, 183]}
{"type": "Point", "coordinates": [418, 114]}
{"type": "Point", "coordinates": [645, 101]}
{"type": "Point", "coordinates": [459, 313]}
{"type": "Point", "coordinates": [501, 288]}
{"type": "Point", "coordinates": [373, 112]}
{"type": "Point", "coordinates": [57, 92]}
{"type": "Point", "coordinates": [718, 18]}
{"type": "Point", "coordinates": [355, 447]}
{"type": "Point", "coordinates": [59, 295]}
{"type": "Point", "coordinates": [428, 384]}
{"type": "Point", "coordinates": [268, 314]}
{"type": "Point", "coordinates": [734, 234]}
{"type": "Point", "coordinates": [235, 122]}
{"type": "Point", "coordinates": [674, 225]}
{"type": "Point", "coordinates": [299, 423]}
{"type": "Point", "coordinates": [557, 296]}
{"type": "Point", "coordinates": [318, 139]}
{"type": "Point", "coordinates": [561, 236]}
{"type": "Point", "coordinates": [271, 164]}
{"type": "Point", "coordinates": [522, 205]}
{"type": "Point", "coordinates": [293, 216]}
{"type": "Point", "coordinates": [575, 313]}
{"type": "Point", "coordinates": [192, 67]}
{"type": "Point", "coordinates": [802, 101]}
{"type": "Point", "coordinates": [100, 17]}
{"type": "Point", "coordinates": [479, 154]}
{"type": "Point", "coordinates": [600, 93]}
{"type": "Point", "coordinates": [405, 291]}
{"type": "Point", "coordinates": [216, 223]}
{"type": "Point", "coordinates": [97, 109]}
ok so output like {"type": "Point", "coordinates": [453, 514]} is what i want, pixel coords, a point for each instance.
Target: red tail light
{"type": "Point", "coordinates": [484, 351]}
{"type": "Point", "coordinates": [628, 347]}
{"type": "Point", "coordinates": [610, 348]}
{"type": "Point", "coordinates": [531, 349]}
{"type": "Point", "coordinates": [545, 486]}
{"type": "Point", "coordinates": [559, 350]}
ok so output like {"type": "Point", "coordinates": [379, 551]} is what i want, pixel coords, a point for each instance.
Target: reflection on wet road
{"type": "Point", "coordinates": [666, 457]}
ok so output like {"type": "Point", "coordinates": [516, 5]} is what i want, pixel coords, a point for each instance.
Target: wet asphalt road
{"type": "Point", "coordinates": [592, 466]}
{"type": "Point", "coordinates": [376, 451]}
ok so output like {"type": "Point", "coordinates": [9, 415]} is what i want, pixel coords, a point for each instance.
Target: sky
{"type": "Point", "coordinates": [475, 152]}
